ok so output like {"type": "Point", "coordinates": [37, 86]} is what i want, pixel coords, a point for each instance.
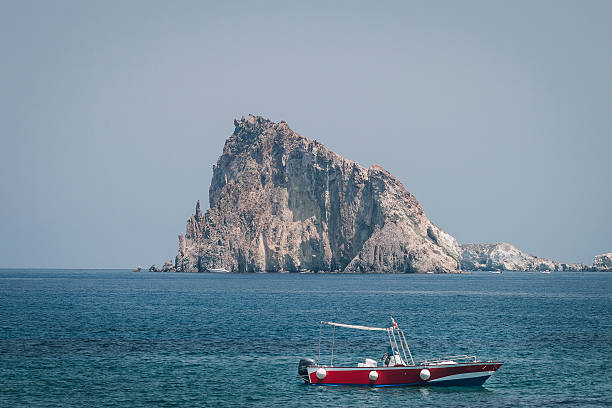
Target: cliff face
{"type": "Point", "coordinates": [506, 257]}
{"type": "Point", "coordinates": [280, 201]}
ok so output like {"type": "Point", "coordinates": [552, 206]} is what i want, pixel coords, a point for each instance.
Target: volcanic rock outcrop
{"type": "Point", "coordinates": [282, 202]}
{"type": "Point", "coordinates": [506, 257]}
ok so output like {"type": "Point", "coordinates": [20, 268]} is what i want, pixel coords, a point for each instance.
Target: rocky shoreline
{"type": "Point", "coordinates": [602, 264]}
{"type": "Point", "coordinates": [500, 256]}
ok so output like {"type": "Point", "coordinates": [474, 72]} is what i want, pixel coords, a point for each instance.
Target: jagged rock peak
{"type": "Point", "coordinates": [252, 122]}
{"type": "Point", "coordinates": [198, 211]}
{"type": "Point", "coordinates": [281, 201]}
{"type": "Point", "coordinates": [257, 128]}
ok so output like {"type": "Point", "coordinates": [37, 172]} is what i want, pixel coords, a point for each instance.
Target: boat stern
{"type": "Point", "coordinates": [303, 366]}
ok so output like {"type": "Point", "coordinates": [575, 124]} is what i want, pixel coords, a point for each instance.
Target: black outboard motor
{"type": "Point", "coordinates": [303, 368]}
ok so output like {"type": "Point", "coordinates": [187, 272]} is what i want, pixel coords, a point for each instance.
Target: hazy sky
{"type": "Point", "coordinates": [495, 115]}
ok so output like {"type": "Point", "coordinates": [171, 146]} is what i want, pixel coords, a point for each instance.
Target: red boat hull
{"type": "Point", "coordinates": [459, 374]}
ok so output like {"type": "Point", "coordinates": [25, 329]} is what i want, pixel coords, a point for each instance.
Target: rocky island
{"type": "Point", "coordinates": [282, 202]}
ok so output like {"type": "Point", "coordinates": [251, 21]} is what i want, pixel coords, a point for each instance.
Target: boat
{"type": "Point", "coordinates": [496, 272]}
{"type": "Point", "coordinates": [398, 367]}
{"type": "Point", "coordinates": [218, 270]}
{"type": "Point", "coordinates": [545, 271]}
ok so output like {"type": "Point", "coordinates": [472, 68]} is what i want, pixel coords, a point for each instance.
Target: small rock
{"type": "Point", "coordinates": [603, 262]}
{"type": "Point", "coordinates": [168, 266]}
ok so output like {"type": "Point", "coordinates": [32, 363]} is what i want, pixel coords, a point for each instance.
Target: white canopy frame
{"type": "Point", "coordinates": [354, 326]}
{"type": "Point", "coordinates": [394, 333]}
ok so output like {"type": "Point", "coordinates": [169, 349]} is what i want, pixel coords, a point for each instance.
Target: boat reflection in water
{"type": "Point", "coordinates": [218, 270]}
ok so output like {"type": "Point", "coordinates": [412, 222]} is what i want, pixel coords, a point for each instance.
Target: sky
{"type": "Point", "coordinates": [496, 115]}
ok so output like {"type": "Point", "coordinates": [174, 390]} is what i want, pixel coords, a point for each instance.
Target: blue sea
{"type": "Point", "coordinates": [110, 338]}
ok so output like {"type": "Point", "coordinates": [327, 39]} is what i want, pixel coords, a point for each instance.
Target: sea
{"type": "Point", "coordinates": [116, 338]}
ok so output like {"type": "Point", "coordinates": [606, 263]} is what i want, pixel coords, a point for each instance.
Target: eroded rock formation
{"type": "Point", "coordinates": [506, 257]}
{"type": "Point", "coordinates": [280, 201]}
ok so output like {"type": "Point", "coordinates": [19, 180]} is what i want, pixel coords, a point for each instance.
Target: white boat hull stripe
{"type": "Point", "coordinates": [464, 376]}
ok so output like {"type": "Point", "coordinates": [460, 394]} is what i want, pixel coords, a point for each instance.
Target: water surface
{"type": "Point", "coordinates": [118, 338]}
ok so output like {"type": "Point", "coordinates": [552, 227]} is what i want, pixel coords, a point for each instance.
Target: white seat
{"type": "Point", "coordinates": [368, 363]}
{"type": "Point", "coordinates": [371, 363]}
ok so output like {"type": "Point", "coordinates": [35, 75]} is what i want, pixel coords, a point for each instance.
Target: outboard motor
{"type": "Point", "coordinates": [303, 368]}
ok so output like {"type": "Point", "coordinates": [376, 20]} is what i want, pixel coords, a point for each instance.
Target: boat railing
{"type": "Point", "coordinates": [463, 358]}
